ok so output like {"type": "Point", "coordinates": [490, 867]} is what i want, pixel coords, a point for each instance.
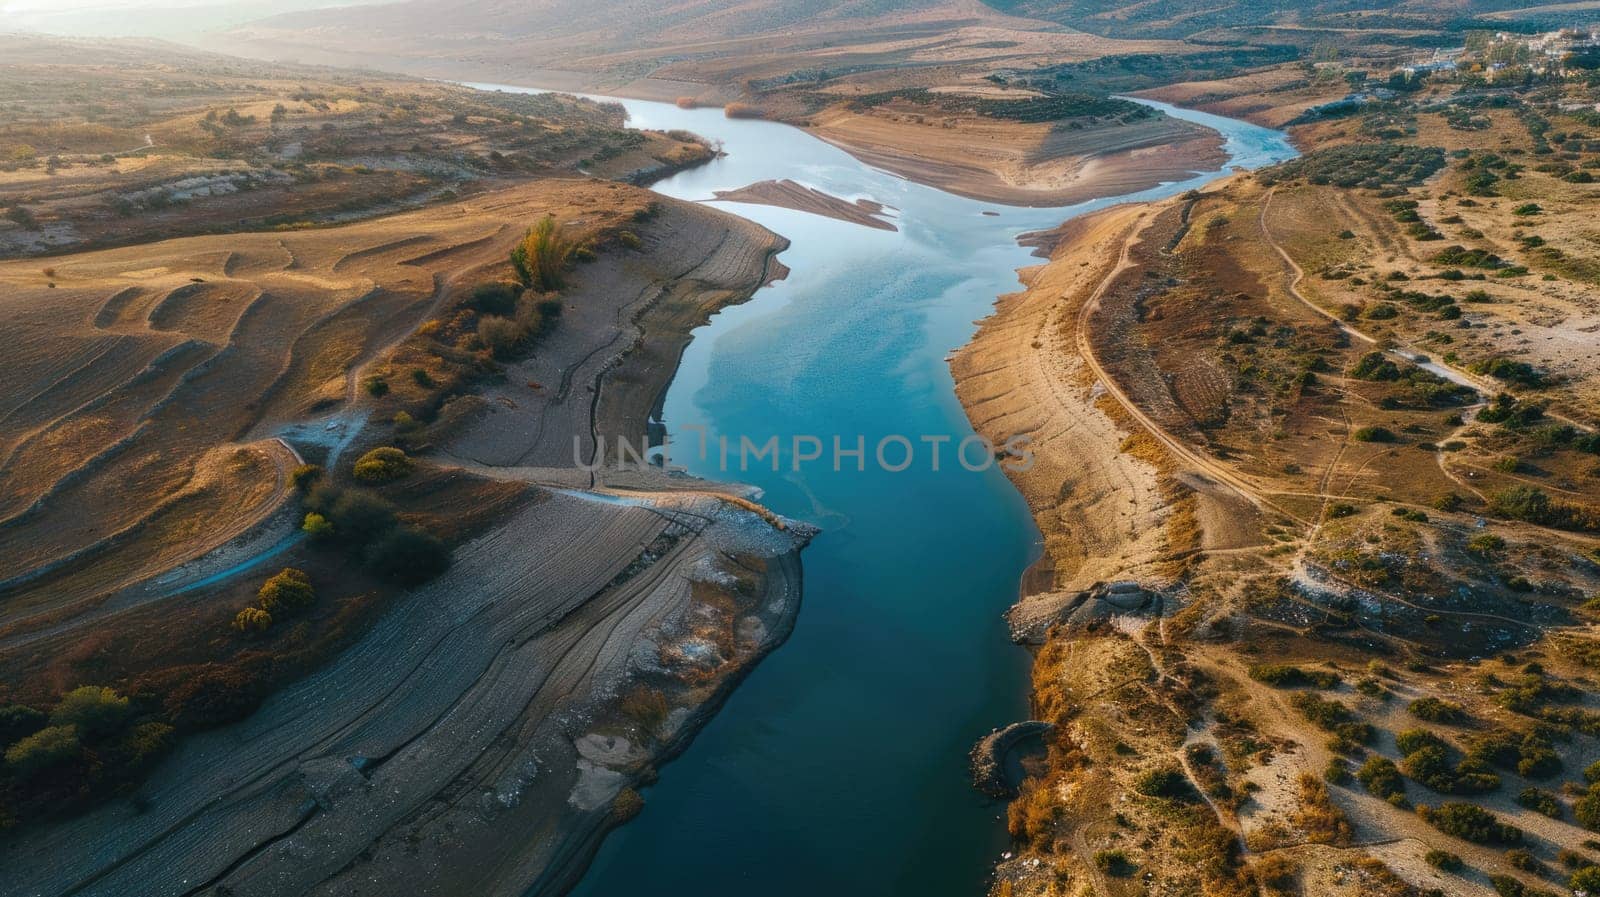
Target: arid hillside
{"type": "Point", "coordinates": [1317, 613]}
{"type": "Point", "coordinates": [109, 142]}
{"type": "Point", "coordinates": [313, 486]}
{"type": "Point", "coordinates": [1176, 18]}
{"type": "Point", "coordinates": [231, 460]}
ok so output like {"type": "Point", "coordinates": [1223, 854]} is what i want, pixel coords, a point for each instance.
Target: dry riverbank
{"type": "Point", "coordinates": [789, 194]}
{"type": "Point", "coordinates": [1099, 508]}
{"type": "Point", "coordinates": [486, 730]}
{"type": "Point", "coordinates": [1019, 163]}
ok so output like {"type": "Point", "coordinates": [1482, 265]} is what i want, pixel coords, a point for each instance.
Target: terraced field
{"type": "Point", "coordinates": [149, 383]}
{"type": "Point", "coordinates": [486, 728]}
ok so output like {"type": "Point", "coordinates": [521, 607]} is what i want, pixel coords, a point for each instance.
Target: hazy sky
{"type": "Point", "coordinates": [17, 6]}
{"type": "Point", "coordinates": [145, 18]}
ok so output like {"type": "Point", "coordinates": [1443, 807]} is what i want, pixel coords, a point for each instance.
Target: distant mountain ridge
{"type": "Point", "coordinates": [1185, 18]}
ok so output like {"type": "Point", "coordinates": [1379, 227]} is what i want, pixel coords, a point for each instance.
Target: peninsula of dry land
{"type": "Point", "coordinates": [304, 591]}
{"type": "Point", "coordinates": [1317, 480]}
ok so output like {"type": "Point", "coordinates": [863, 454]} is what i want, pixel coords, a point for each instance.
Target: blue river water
{"type": "Point", "coordinates": [839, 767]}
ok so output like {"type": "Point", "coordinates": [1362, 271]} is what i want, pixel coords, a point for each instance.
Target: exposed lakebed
{"type": "Point", "coordinates": [840, 765]}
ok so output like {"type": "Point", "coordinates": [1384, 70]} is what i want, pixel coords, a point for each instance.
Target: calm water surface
{"type": "Point", "coordinates": [840, 766]}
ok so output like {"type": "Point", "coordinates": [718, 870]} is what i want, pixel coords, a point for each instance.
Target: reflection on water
{"type": "Point", "coordinates": [839, 766]}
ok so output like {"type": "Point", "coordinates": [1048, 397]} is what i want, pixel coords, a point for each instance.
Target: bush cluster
{"type": "Point", "coordinates": [1377, 166]}
{"type": "Point", "coordinates": [382, 464]}
{"type": "Point", "coordinates": [92, 742]}
{"type": "Point", "coordinates": [287, 592]}
{"type": "Point", "coordinates": [370, 529]}
{"type": "Point", "coordinates": [1470, 823]}
{"type": "Point", "coordinates": [1284, 675]}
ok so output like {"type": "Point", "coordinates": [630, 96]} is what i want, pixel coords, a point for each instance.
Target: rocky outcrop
{"type": "Point", "coordinates": [1030, 620]}
{"type": "Point", "coordinates": [994, 770]}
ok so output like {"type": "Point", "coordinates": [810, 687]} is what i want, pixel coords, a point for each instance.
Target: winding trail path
{"type": "Point", "coordinates": [1240, 484]}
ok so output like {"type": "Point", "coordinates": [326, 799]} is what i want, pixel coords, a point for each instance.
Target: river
{"type": "Point", "coordinates": [839, 767]}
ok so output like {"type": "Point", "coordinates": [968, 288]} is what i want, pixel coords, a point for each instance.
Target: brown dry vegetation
{"type": "Point", "coordinates": [143, 144]}
{"type": "Point", "coordinates": [231, 465]}
{"type": "Point", "coordinates": [1334, 507]}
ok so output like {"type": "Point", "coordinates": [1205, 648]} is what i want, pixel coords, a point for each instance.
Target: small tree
{"type": "Point", "coordinates": [44, 749]}
{"type": "Point", "coordinates": [317, 527]}
{"type": "Point", "coordinates": [541, 258]}
{"type": "Point", "coordinates": [290, 589]}
{"type": "Point", "coordinates": [305, 476]}
{"type": "Point", "coordinates": [252, 619]}
{"type": "Point", "coordinates": [382, 464]}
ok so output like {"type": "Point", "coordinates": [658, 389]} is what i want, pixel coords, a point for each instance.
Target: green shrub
{"type": "Point", "coordinates": [305, 476]}
{"type": "Point", "coordinates": [1412, 740]}
{"type": "Point", "coordinates": [1512, 371]}
{"type": "Point", "coordinates": [94, 711]}
{"type": "Point", "coordinates": [1437, 710]}
{"type": "Point", "coordinates": [376, 386]}
{"type": "Point", "coordinates": [1164, 781]}
{"type": "Point", "coordinates": [252, 619]}
{"type": "Point", "coordinates": [1337, 772]}
{"type": "Point", "coordinates": [382, 464]}
{"type": "Point", "coordinates": [18, 721]}
{"type": "Point", "coordinates": [1443, 859]}
{"type": "Point", "coordinates": [1586, 809]}
{"type": "Point", "coordinates": [288, 590]}
{"type": "Point", "coordinates": [1470, 823]}
{"type": "Point", "coordinates": [146, 742]}
{"type": "Point", "coordinates": [1283, 675]}
{"type": "Point", "coordinates": [45, 749]}
{"type": "Point", "coordinates": [1541, 801]}
{"type": "Point", "coordinates": [318, 527]}
{"type": "Point", "coordinates": [1431, 766]}
{"type": "Point", "coordinates": [1522, 860]}
{"type": "Point", "coordinates": [357, 516]}
{"type": "Point", "coordinates": [407, 557]}
{"type": "Point", "coordinates": [1381, 777]}
{"type": "Point", "coordinates": [1506, 886]}
{"type": "Point", "coordinates": [1485, 544]}
{"type": "Point", "coordinates": [1374, 434]}
{"type": "Point", "coordinates": [1462, 257]}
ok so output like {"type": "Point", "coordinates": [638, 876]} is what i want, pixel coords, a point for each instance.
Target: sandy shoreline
{"type": "Point", "coordinates": [1099, 509]}
{"type": "Point", "coordinates": [789, 194]}
{"type": "Point", "coordinates": [1026, 164]}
